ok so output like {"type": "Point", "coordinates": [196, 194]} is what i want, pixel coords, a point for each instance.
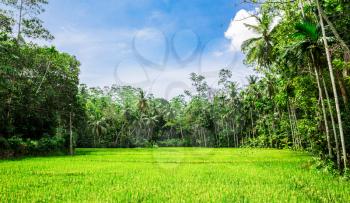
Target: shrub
{"type": "Point", "coordinates": [48, 145]}
{"type": "Point", "coordinates": [172, 143]}
{"type": "Point", "coordinates": [18, 146]}
{"type": "Point", "coordinates": [32, 146]}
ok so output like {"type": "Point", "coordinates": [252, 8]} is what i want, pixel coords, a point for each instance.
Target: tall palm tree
{"type": "Point", "coordinates": [309, 44]}
{"type": "Point", "coordinates": [259, 49]}
{"type": "Point", "coordinates": [336, 99]}
{"type": "Point", "coordinates": [251, 94]}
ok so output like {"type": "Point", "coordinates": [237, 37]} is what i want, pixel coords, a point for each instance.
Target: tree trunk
{"type": "Point", "coordinates": [8, 114]}
{"type": "Point", "coordinates": [323, 112]}
{"type": "Point", "coordinates": [295, 123]}
{"type": "Point", "coordinates": [301, 5]}
{"type": "Point", "coordinates": [320, 93]}
{"type": "Point", "coordinates": [334, 31]}
{"type": "Point", "coordinates": [251, 118]}
{"type": "Point", "coordinates": [337, 106]}
{"type": "Point", "coordinates": [342, 89]}
{"type": "Point", "coordinates": [182, 135]}
{"type": "Point", "coordinates": [333, 123]}
{"type": "Point", "coordinates": [227, 135]}
{"type": "Point", "coordinates": [20, 20]}
{"type": "Point", "coordinates": [71, 150]}
{"type": "Point", "coordinates": [291, 124]}
{"type": "Point", "coordinates": [339, 39]}
{"type": "Point", "coordinates": [234, 134]}
{"type": "Point", "coordinates": [205, 138]}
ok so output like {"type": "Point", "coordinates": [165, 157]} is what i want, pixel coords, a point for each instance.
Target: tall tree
{"type": "Point", "coordinates": [26, 18]}
{"type": "Point", "coordinates": [335, 93]}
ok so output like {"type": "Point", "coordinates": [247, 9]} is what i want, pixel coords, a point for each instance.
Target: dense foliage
{"type": "Point", "coordinates": [38, 88]}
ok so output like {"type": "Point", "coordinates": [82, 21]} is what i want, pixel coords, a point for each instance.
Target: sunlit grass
{"type": "Point", "coordinates": [170, 174]}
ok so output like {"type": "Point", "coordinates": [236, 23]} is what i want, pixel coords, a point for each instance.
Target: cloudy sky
{"type": "Point", "coordinates": [153, 44]}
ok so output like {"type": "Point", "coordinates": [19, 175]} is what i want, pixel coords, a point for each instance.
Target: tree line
{"type": "Point", "coordinates": [299, 101]}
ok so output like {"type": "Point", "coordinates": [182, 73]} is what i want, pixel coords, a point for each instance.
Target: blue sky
{"type": "Point", "coordinates": [153, 44]}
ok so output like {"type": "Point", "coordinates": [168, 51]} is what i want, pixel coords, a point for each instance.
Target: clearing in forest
{"type": "Point", "coordinates": [170, 174]}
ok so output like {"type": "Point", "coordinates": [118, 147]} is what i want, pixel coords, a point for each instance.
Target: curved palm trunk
{"type": "Point", "coordinates": [341, 132]}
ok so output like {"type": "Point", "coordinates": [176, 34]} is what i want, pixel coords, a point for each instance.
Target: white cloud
{"type": "Point", "coordinates": [237, 32]}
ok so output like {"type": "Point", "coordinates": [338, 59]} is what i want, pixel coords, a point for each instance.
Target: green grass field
{"type": "Point", "coordinates": [170, 175]}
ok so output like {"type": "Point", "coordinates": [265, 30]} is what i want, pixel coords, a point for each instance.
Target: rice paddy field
{"type": "Point", "coordinates": [170, 175]}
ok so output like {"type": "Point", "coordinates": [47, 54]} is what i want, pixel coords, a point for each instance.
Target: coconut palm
{"type": "Point", "coordinates": [98, 128]}
{"type": "Point", "coordinates": [259, 49]}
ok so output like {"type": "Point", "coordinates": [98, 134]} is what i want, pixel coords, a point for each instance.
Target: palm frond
{"type": "Point", "coordinates": [246, 44]}
{"type": "Point", "coordinates": [307, 29]}
{"type": "Point", "coordinates": [256, 29]}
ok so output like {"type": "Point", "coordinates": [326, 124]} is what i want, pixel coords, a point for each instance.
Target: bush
{"type": "Point", "coordinates": [32, 146]}
{"type": "Point", "coordinates": [143, 143]}
{"type": "Point", "coordinates": [16, 146]}
{"type": "Point", "coordinates": [172, 143]}
{"type": "Point", "coordinates": [48, 145]}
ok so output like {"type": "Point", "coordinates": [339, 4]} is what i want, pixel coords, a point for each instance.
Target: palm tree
{"type": "Point", "coordinates": [98, 128]}
{"type": "Point", "coordinates": [252, 79]}
{"type": "Point", "coordinates": [308, 44]}
{"type": "Point", "coordinates": [251, 94]}
{"type": "Point", "coordinates": [150, 122]}
{"type": "Point", "coordinates": [336, 99]}
{"type": "Point", "coordinates": [259, 49]}
{"type": "Point", "coordinates": [142, 105]}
